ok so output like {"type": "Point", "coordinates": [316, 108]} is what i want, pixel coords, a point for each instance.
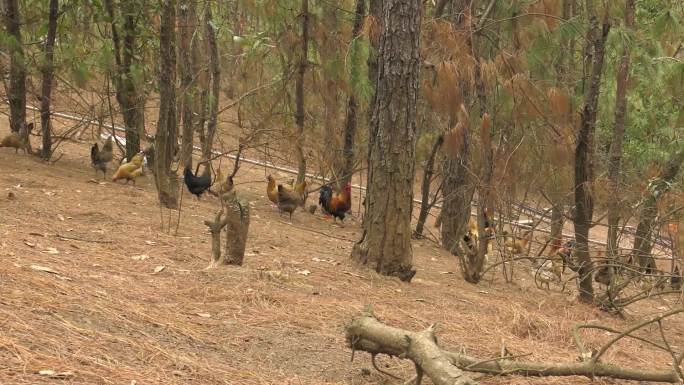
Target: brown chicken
{"type": "Point", "coordinates": [289, 200]}
{"type": "Point", "coordinates": [517, 245]}
{"type": "Point", "coordinates": [13, 141]}
{"type": "Point", "coordinates": [16, 140]}
{"type": "Point", "coordinates": [130, 170]}
{"type": "Point", "coordinates": [272, 189]}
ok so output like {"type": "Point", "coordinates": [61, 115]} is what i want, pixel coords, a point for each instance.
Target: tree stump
{"type": "Point", "coordinates": [234, 217]}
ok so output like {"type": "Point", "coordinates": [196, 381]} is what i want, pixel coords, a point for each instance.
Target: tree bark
{"type": "Point", "coordinates": [299, 92]}
{"type": "Point", "coordinates": [127, 94]}
{"type": "Point", "coordinates": [46, 86]}
{"type": "Point", "coordinates": [428, 172]}
{"type": "Point", "coordinates": [584, 154]}
{"type": "Point", "coordinates": [352, 103]}
{"type": "Point", "coordinates": [440, 7]}
{"type": "Point", "coordinates": [237, 212]}
{"type": "Point", "coordinates": [213, 98]}
{"type": "Point", "coordinates": [187, 25]}
{"type": "Point", "coordinates": [615, 156]}
{"type": "Point", "coordinates": [474, 266]}
{"type": "Point", "coordinates": [234, 216]}
{"type": "Point", "coordinates": [558, 193]}
{"type": "Point", "coordinates": [457, 187]}
{"type": "Point", "coordinates": [17, 76]}
{"type": "Point", "coordinates": [644, 232]}
{"type": "Point", "coordinates": [557, 220]}
{"type": "Point", "coordinates": [166, 139]}
{"type": "Point", "coordinates": [366, 333]}
{"type": "Point", "coordinates": [615, 160]}
{"type": "Point", "coordinates": [375, 13]}
{"type": "Point", "coordinates": [458, 194]}
{"type": "Point", "coordinates": [386, 241]}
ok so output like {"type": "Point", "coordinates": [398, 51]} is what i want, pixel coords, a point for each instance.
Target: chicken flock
{"type": "Point", "coordinates": [286, 198]}
{"type": "Point", "coordinates": [337, 204]}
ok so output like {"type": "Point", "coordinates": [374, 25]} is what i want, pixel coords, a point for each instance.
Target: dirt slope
{"type": "Point", "coordinates": [106, 317]}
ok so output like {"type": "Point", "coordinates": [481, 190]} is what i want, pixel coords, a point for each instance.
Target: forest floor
{"type": "Point", "coordinates": [126, 303]}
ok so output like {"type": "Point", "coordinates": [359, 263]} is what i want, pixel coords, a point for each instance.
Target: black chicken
{"type": "Point", "coordinates": [676, 279]}
{"type": "Point", "coordinates": [197, 184]}
{"type": "Point", "coordinates": [100, 158]}
{"type": "Point", "coordinates": [325, 195]}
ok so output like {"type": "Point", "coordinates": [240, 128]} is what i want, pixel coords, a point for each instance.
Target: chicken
{"type": "Point", "coordinates": [18, 140]}
{"type": "Point", "coordinates": [272, 189]}
{"type": "Point", "coordinates": [197, 185]}
{"type": "Point", "coordinates": [100, 158]}
{"type": "Point", "coordinates": [13, 141]}
{"type": "Point", "coordinates": [130, 170]}
{"type": "Point", "coordinates": [602, 275]}
{"type": "Point", "coordinates": [549, 268]}
{"type": "Point", "coordinates": [149, 157]}
{"type": "Point", "coordinates": [676, 279]}
{"type": "Point", "coordinates": [517, 246]}
{"type": "Point", "coordinates": [289, 200]}
{"type": "Point", "coordinates": [336, 205]}
{"type": "Point", "coordinates": [547, 273]}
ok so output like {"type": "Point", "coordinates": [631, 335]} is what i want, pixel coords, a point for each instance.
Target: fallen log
{"type": "Point", "coordinates": [367, 333]}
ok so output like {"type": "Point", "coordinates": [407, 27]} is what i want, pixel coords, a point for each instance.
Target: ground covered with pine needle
{"type": "Point", "coordinates": [92, 291]}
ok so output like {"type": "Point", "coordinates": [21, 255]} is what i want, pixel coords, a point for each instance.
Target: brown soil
{"type": "Point", "coordinates": [106, 317]}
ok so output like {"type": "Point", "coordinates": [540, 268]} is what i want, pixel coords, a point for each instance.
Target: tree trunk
{"type": "Point", "coordinates": [473, 269]}
{"type": "Point", "coordinates": [425, 187]}
{"type": "Point", "coordinates": [558, 194]}
{"type": "Point", "coordinates": [46, 87]}
{"type": "Point", "coordinates": [386, 241]}
{"type": "Point", "coordinates": [557, 220]}
{"type": "Point", "coordinates": [213, 98]}
{"type": "Point", "coordinates": [124, 84]}
{"type": "Point", "coordinates": [440, 7]}
{"type": "Point", "coordinates": [614, 162]}
{"type": "Point", "coordinates": [457, 186]}
{"type": "Point", "coordinates": [299, 92]}
{"type": "Point", "coordinates": [17, 76]}
{"type": "Point", "coordinates": [187, 25]}
{"type": "Point", "coordinates": [375, 12]}
{"type": "Point", "coordinates": [458, 194]}
{"type": "Point", "coordinates": [649, 212]}
{"type": "Point", "coordinates": [167, 132]}
{"type": "Point", "coordinates": [584, 154]}
{"type": "Point", "coordinates": [352, 104]}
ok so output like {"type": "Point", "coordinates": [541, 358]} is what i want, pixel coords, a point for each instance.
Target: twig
{"type": "Point", "coordinates": [605, 347]}
{"type": "Point", "coordinates": [475, 364]}
{"type": "Point", "coordinates": [675, 360]}
{"type": "Point", "coordinates": [380, 370]}
{"type": "Point", "coordinates": [64, 237]}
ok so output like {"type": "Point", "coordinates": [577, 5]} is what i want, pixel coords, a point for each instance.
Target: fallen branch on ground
{"type": "Point", "coordinates": [367, 333]}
